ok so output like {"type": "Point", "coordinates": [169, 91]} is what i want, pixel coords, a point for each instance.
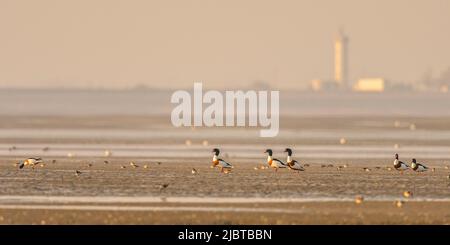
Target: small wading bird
{"type": "Point", "coordinates": [194, 171]}
{"type": "Point", "coordinates": [418, 167]}
{"type": "Point", "coordinates": [292, 164]}
{"type": "Point", "coordinates": [30, 162]}
{"type": "Point", "coordinates": [273, 162]}
{"type": "Point", "coordinates": [407, 194]}
{"type": "Point", "coordinates": [399, 165]}
{"type": "Point", "coordinates": [399, 203]}
{"type": "Point", "coordinates": [163, 187]}
{"type": "Point", "coordinates": [359, 199]}
{"type": "Point", "coordinates": [225, 167]}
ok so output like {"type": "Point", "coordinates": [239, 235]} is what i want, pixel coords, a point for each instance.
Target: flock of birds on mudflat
{"type": "Point", "coordinates": [294, 165]}
{"type": "Point", "coordinates": [274, 163]}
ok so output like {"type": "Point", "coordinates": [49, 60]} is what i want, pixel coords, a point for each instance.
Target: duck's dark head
{"type": "Point", "coordinates": [268, 151]}
{"type": "Point", "coordinates": [396, 156]}
{"type": "Point", "coordinates": [414, 160]}
{"type": "Point", "coordinates": [216, 151]}
{"type": "Point", "coordinates": [289, 151]}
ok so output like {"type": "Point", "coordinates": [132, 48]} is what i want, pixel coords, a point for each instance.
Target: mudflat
{"type": "Point", "coordinates": [140, 171]}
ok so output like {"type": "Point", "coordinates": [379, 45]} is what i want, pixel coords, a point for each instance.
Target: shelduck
{"type": "Point", "coordinates": [225, 167]}
{"type": "Point", "coordinates": [30, 162]}
{"type": "Point", "coordinates": [399, 165]}
{"type": "Point", "coordinates": [418, 167]}
{"type": "Point", "coordinates": [273, 162]}
{"type": "Point", "coordinates": [293, 164]}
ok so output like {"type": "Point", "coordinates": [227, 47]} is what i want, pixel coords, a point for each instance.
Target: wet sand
{"type": "Point", "coordinates": [371, 212]}
{"type": "Point", "coordinates": [109, 194]}
{"type": "Point", "coordinates": [117, 193]}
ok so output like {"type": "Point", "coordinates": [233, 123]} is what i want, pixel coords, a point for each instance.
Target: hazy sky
{"type": "Point", "coordinates": [163, 43]}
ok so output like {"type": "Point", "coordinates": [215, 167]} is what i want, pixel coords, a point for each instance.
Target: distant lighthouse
{"type": "Point", "coordinates": [341, 60]}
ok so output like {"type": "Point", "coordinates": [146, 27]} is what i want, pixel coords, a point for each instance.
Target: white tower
{"type": "Point", "coordinates": [341, 60]}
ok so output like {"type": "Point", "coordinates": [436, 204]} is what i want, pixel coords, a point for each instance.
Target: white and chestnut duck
{"type": "Point", "coordinates": [32, 161]}
{"type": "Point", "coordinates": [217, 162]}
{"type": "Point", "coordinates": [418, 167]}
{"type": "Point", "coordinates": [399, 165]}
{"type": "Point", "coordinates": [273, 162]}
{"type": "Point", "coordinates": [292, 164]}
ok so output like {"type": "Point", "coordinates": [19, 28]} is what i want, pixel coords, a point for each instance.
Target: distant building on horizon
{"type": "Point", "coordinates": [341, 78]}
{"type": "Point", "coordinates": [318, 85]}
{"type": "Point", "coordinates": [429, 83]}
{"type": "Point", "coordinates": [373, 85]}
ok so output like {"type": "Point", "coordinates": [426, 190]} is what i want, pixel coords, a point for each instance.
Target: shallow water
{"type": "Point", "coordinates": [253, 151]}
{"type": "Point", "coordinates": [66, 102]}
{"type": "Point", "coordinates": [186, 200]}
